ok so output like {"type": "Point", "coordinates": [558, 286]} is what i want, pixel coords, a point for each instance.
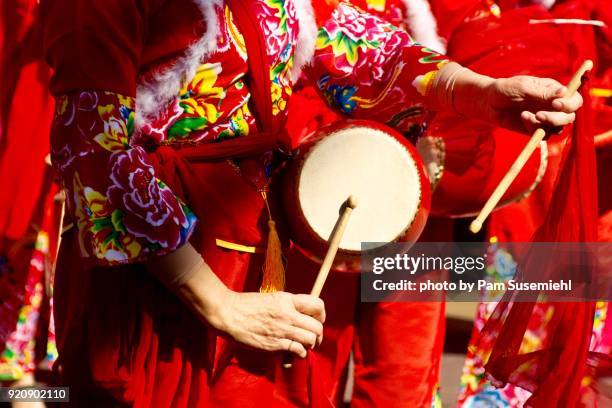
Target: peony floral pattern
{"type": "Point", "coordinates": [127, 214]}
{"type": "Point", "coordinates": [366, 67]}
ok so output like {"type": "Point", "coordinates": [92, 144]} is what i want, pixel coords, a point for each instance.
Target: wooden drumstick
{"type": "Point", "coordinates": [524, 156]}
{"type": "Point", "coordinates": [603, 139]}
{"type": "Point", "coordinates": [334, 242]}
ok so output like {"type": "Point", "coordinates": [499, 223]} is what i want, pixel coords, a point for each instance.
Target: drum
{"type": "Point", "coordinates": [369, 161]}
{"type": "Point", "coordinates": [466, 161]}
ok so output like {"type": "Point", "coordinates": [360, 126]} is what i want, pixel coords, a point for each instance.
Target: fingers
{"type": "Point", "coordinates": [530, 119]}
{"type": "Point", "coordinates": [294, 347]}
{"type": "Point", "coordinates": [309, 323]}
{"type": "Point", "coordinates": [552, 122]}
{"type": "Point", "coordinates": [547, 94]}
{"type": "Point", "coordinates": [568, 104]}
{"type": "Point", "coordinates": [306, 338]}
{"type": "Point", "coordinates": [555, 119]}
{"type": "Point", "coordinates": [310, 305]}
{"type": "Point", "coordinates": [549, 119]}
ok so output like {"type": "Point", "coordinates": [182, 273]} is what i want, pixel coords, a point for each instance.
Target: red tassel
{"type": "Point", "coordinates": [273, 271]}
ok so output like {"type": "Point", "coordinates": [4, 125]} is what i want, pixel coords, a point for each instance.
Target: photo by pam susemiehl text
{"type": "Point", "coordinates": [464, 271]}
{"type": "Point", "coordinates": [468, 286]}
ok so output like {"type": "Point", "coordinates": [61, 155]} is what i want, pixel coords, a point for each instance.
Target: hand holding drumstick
{"type": "Point", "coordinates": [524, 156]}
{"type": "Point", "coordinates": [334, 242]}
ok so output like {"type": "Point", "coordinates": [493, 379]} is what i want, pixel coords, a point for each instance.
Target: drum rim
{"type": "Point", "coordinates": [424, 198]}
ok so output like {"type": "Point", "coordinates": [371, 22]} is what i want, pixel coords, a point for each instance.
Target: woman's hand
{"type": "Point", "coordinates": [273, 321]}
{"type": "Point", "coordinates": [520, 103]}
{"type": "Point", "coordinates": [266, 321]}
{"type": "Point", "coordinates": [524, 103]}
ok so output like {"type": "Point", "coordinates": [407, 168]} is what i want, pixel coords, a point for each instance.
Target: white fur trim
{"type": "Point", "coordinates": [152, 96]}
{"type": "Point", "coordinates": [307, 37]}
{"type": "Point", "coordinates": [422, 25]}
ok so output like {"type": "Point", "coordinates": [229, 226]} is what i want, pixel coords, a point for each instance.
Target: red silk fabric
{"type": "Point", "coordinates": [553, 373]}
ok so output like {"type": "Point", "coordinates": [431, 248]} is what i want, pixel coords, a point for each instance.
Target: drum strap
{"type": "Point", "coordinates": [260, 88]}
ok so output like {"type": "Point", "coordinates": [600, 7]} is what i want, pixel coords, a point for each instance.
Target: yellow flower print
{"type": "Point", "coordinates": [115, 134]}
{"type": "Point", "coordinates": [98, 225]}
{"type": "Point", "coordinates": [238, 121]}
{"type": "Point", "coordinates": [203, 83]}
{"type": "Point", "coordinates": [126, 101]}
{"type": "Point", "coordinates": [471, 381]}
{"type": "Point", "coordinates": [531, 343]}
{"type": "Point", "coordinates": [129, 248]}
{"type": "Point", "coordinates": [279, 104]}
{"type": "Point", "coordinates": [378, 5]}
{"type": "Point", "coordinates": [200, 97]}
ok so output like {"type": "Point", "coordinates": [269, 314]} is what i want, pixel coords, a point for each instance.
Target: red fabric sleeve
{"type": "Point", "coordinates": [367, 68]}
{"type": "Point", "coordinates": [123, 212]}
{"type": "Point", "coordinates": [94, 44]}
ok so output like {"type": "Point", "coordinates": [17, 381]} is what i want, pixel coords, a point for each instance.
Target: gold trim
{"type": "Point", "coordinates": [601, 92]}
{"type": "Point", "coordinates": [238, 247]}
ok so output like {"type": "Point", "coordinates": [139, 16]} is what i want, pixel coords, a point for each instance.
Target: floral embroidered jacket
{"type": "Point", "coordinates": [131, 75]}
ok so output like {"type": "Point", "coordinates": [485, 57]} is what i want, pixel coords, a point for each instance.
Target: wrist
{"type": "Point", "coordinates": [207, 296]}
{"type": "Point", "coordinates": [460, 90]}
{"type": "Point", "coordinates": [185, 273]}
{"type": "Point", "coordinates": [471, 97]}
{"type": "Point", "coordinates": [175, 268]}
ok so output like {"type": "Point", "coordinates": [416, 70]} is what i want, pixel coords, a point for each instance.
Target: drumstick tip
{"type": "Point", "coordinates": [475, 226]}
{"type": "Point", "coordinates": [351, 202]}
{"type": "Point", "coordinates": [588, 65]}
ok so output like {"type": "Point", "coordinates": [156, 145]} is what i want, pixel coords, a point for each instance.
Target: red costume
{"type": "Point", "coordinates": [138, 85]}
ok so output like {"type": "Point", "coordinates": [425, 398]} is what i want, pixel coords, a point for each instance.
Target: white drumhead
{"type": "Point", "coordinates": [370, 165]}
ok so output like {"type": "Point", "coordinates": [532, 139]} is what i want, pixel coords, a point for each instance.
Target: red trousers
{"type": "Point", "coordinates": [125, 340]}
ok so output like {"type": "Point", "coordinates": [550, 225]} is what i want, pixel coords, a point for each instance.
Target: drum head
{"type": "Point", "coordinates": [376, 169]}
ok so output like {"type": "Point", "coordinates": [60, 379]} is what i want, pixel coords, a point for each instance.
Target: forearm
{"type": "Point", "coordinates": [185, 273]}
{"type": "Point", "coordinates": [460, 90]}
{"type": "Point", "coordinates": [520, 103]}
{"type": "Point", "coordinates": [266, 321]}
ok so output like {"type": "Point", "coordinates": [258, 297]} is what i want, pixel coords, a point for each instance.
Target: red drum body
{"type": "Point", "coordinates": [369, 161]}
{"type": "Point", "coordinates": [466, 161]}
